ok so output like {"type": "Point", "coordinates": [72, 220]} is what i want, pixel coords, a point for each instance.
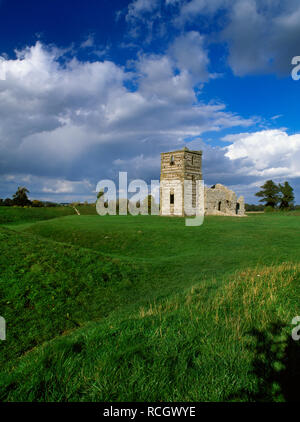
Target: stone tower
{"type": "Point", "coordinates": [177, 166]}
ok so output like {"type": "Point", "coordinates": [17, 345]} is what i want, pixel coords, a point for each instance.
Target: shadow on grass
{"type": "Point", "coordinates": [275, 365]}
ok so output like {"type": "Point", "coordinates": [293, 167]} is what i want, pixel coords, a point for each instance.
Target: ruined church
{"type": "Point", "coordinates": [181, 165]}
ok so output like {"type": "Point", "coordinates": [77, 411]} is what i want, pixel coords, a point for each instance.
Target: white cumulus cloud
{"type": "Point", "coordinates": [266, 154]}
{"type": "Point", "coordinates": [72, 120]}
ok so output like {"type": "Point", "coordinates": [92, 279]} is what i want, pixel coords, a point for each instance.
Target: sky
{"type": "Point", "coordinates": [90, 89]}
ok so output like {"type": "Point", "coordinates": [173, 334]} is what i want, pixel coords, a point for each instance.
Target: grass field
{"type": "Point", "coordinates": [19, 215]}
{"type": "Point", "coordinates": [123, 308]}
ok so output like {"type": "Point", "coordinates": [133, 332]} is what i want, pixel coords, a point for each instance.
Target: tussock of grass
{"type": "Point", "coordinates": [259, 296]}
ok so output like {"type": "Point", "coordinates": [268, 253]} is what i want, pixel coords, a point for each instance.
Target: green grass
{"type": "Point", "coordinates": [144, 308]}
{"type": "Point", "coordinates": [47, 288]}
{"type": "Point", "coordinates": [20, 215]}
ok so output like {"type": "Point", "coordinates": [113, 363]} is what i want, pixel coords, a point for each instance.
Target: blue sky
{"type": "Point", "coordinates": [92, 88]}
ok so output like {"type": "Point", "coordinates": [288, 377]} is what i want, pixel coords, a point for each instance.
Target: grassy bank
{"type": "Point", "coordinates": [144, 308]}
{"type": "Point", "coordinates": [21, 215]}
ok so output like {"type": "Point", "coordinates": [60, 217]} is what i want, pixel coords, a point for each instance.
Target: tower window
{"type": "Point", "coordinates": [219, 206]}
{"type": "Point", "coordinates": [172, 159]}
{"type": "Point", "coordinates": [192, 160]}
{"type": "Point", "coordinates": [172, 198]}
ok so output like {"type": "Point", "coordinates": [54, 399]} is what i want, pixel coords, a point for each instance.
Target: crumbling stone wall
{"type": "Point", "coordinates": [220, 200]}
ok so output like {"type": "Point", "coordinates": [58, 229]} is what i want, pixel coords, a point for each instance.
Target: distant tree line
{"type": "Point", "coordinates": [148, 202]}
{"type": "Point", "coordinates": [21, 199]}
{"type": "Point", "coordinates": [254, 207]}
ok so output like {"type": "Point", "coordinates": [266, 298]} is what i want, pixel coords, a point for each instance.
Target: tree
{"type": "Point", "coordinates": [254, 207]}
{"type": "Point", "coordinates": [123, 203]}
{"type": "Point", "coordinates": [150, 199]}
{"type": "Point", "coordinates": [1, 202]}
{"type": "Point", "coordinates": [151, 204]}
{"type": "Point", "coordinates": [287, 196]}
{"type": "Point", "coordinates": [20, 197]}
{"type": "Point", "coordinates": [8, 202]}
{"type": "Point", "coordinates": [37, 204]}
{"type": "Point", "coordinates": [100, 193]}
{"type": "Point", "coordinates": [269, 194]}
{"type": "Point", "coordinates": [50, 204]}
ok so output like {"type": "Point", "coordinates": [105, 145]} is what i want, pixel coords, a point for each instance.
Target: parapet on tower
{"type": "Point", "coordinates": [176, 167]}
